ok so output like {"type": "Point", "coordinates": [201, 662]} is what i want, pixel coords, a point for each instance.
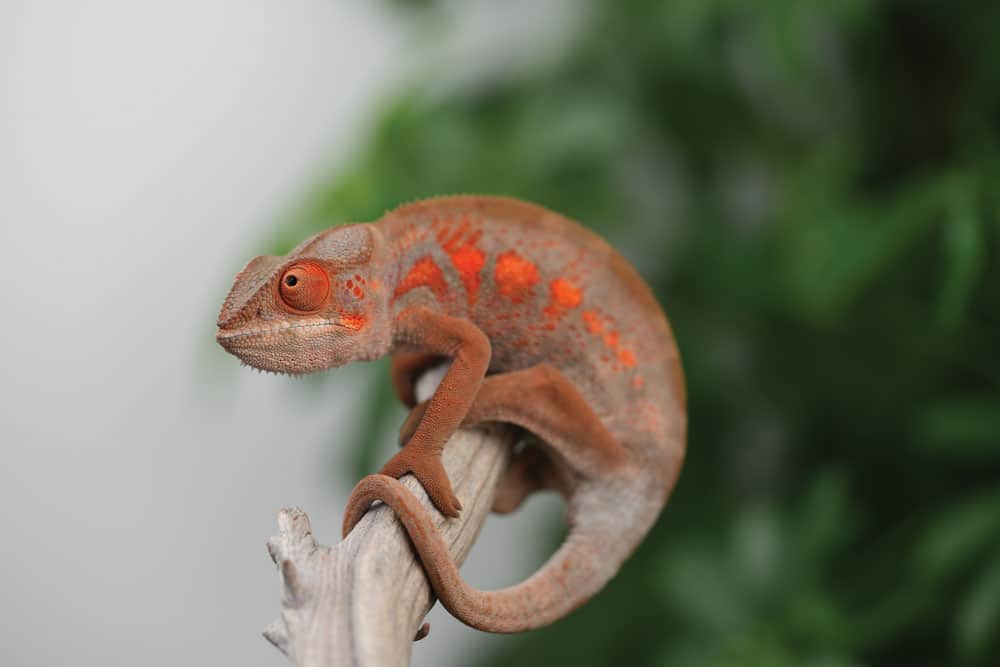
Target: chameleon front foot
{"type": "Point", "coordinates": [430, 472]}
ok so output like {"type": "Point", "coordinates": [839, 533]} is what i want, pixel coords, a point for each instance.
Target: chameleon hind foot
{"type": "Point", "coordinates": [529, 470]}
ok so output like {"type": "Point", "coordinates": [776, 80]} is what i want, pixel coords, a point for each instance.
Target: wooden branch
{"type": "Point", "coordinates": [359, 603]}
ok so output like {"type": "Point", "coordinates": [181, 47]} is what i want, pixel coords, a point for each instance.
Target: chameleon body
{"type": "Point", "coordinates": [546, 327]}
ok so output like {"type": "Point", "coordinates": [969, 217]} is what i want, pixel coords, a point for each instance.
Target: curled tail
{"type": "Point", "coordinates": [578, 570]}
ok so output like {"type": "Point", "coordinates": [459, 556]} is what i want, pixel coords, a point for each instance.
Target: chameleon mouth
{"type": "Point", "coordinates": [241, 339]}
{"type": "Point", "coordinates": [261, 347]}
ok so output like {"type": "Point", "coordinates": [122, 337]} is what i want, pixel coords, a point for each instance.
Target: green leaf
{"type": "Point", "coordinates": [964, 251]}
{"type": "Point", "coordinates": [836, 244]}
{"type": "Point", "coordinates": [955, 537]}
{"type": "Point", "coordinates": [977, 621]}
{"type": "Point", "coordinates": [823, 519]}
{"type": "Point", "coordinates": [696, 581]}
{"type": "Point", "coordinates": [960, 427]}
{"type": "Point", "coordinates": [759, 550]}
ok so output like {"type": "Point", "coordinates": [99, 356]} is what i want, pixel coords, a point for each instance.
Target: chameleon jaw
{"type": "Point", "coordinates": [287, 348]}
{"type": "Point", "coordinates": [225, 336]}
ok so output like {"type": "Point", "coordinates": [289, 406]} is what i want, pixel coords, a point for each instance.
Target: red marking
{"type": "Point", "coordinates": [350, 284]}
{"type": "Point", "coordinates": [357, 277]}
{"type": "Point", "coordinates": [515, 276]}
{"type": "Point", "coordinates": [465, 256]}
{"type": "Point", "coordinates": [440, 227]}
{"type": "Point", "coordinates": [453, 240]}
{"type": "Point", "coordinates": [469, 260]}
{"type": "Point", "coordinates": [592, 321]}
{"type": "Point", "coordinates": [424, 273]}
{"type": "Point", "coordinates": [564, 296]}
{"type": "Point", "coordinates": [638, 382]}
{"type": "Point", "coordinates": [464, 233]}
{"type": "Point", "coordinates": [358, 293]}
{"type": "Point", "coordinates": [354, 321]}
{"type": "Point", "coordinates": [410, 236]}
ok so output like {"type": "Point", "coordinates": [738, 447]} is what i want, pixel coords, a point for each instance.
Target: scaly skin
{"type": "Point", "coordinates": [546, 327]}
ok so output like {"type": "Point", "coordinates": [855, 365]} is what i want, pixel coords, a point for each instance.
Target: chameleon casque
{"type": "Point", "coordinates": [546, 326]}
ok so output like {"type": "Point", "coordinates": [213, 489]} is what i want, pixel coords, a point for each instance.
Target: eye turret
{"type": "Point", "coordinates": [304, 287]}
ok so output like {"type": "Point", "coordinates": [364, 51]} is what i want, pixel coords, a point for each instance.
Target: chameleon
{"type": "Point", "coordinates": [544, 326]}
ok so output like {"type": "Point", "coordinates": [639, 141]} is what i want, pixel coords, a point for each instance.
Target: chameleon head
{"type": "Point", "coordinates": [321, 306]}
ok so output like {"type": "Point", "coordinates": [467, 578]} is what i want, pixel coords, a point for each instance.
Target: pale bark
{"type": "Point", "coordinates": [360, 602]}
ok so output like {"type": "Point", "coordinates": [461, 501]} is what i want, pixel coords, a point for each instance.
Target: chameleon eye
{"type": "Point", "coordinates": [304, 287]}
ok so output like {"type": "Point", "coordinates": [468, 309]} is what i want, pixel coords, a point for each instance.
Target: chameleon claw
{"type": "Point", "coordinates": [424, 630]}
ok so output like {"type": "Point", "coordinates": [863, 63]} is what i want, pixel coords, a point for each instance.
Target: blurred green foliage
{"type": "Point", "coordinates": [811, 188]}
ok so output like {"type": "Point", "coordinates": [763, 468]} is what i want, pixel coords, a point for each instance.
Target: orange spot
{"type": "Point", "coordinates": [358, 293]}
{"type": "Point", "coordinates": [563, 297]}
{"type": "Point", "coordinates": [469, 260]}
{"type": "Point", "coordinates": [453, 240]}
{"type": "Point", "coordinates": [424, 273]}
{"type": "Point", "coordinates": [638, 382]}
{"type": "Point", "coordinates": [592, 321]}
{"type": "Point", "coordinates": [460, 245]}
{"type": "Point", "coordinates": [565, 294]}
{"type": "Point", "coordinates": [611, 339]}
{"type": "Point", "coordinates": [515, 276]}
{"type": "Point", "coordinates": [440, 228]}
{"type": "Point", "coordinates": [353, 320]}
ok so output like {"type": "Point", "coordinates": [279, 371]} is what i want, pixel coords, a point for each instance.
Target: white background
{"type": "Point", "coordinates": [146, 149]}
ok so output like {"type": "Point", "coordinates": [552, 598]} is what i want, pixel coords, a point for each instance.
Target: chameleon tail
{"type": "Point", "coordinates": [578, 570]}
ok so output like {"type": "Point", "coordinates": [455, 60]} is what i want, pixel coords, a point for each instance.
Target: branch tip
{"type": "Point", "coordinates": [276, 633]}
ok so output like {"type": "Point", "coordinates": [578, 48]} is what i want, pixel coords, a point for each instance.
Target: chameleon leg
{"type": "Point", "coordinates": [441, 336]}
{"type": "Point", "coordinates": [529, 471]}
{"type": "Point", "coordinates": [544, 402]}
{"type": "Point", "coordinates": [411, 422]}
{"type": "Point", "coordinates": [407, 366]}
{"type": "Point", "coordinates": [541, 400]}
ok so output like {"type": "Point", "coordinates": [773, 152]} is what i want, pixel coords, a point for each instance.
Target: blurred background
{"type": "Point", "coordinates": [810, 188]}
